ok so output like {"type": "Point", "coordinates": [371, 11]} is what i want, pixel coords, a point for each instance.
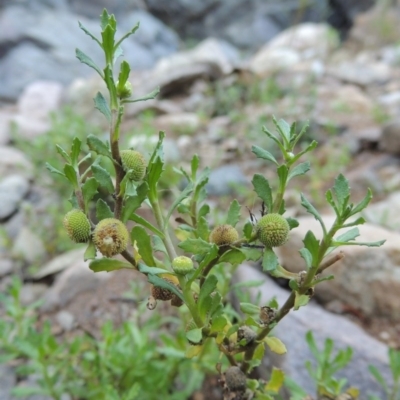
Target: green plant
{"type": "Point", "coordinates": [211, 319]}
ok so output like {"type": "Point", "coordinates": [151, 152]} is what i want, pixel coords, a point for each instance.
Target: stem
{"type": "Point", "coordinates": [189, 301]}
{"type": "Point", "coordinates": [79, 198]}
{"type": "Point", "coordinates": [129, 257]}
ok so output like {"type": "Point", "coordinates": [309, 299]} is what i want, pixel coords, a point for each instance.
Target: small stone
{"type": "Point", "coordinates": [12, 190]}
{"type": "Point", "coordinates": [223, 180]}
{"type": "Point", "coordinates": [66, 320]}
{"type": "Point", "coordinates": [6, 266]}
{"type": "Point", "coordinates": [29, 246]}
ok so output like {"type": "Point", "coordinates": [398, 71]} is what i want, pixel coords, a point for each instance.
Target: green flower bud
{"type": "Point", "coordinates": [223, 235]}
{"type": "Point", "coordinates": [272, 230]}
{"type": "Point", "coordinates": [182, 265]}
{"type": "Point", "coordinates": [134, 161]}
{"type": "Point", "coordinates": [124, 92]}
{"type": "Point", "coordinates": [110, 237]}
{"type": "Point", "coordinates": [77, 225]}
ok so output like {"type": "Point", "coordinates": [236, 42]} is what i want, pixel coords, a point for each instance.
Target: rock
{"type": "Point", "coordinates": [6, 267]}
{"type": "Point", "coordinates": [367, 278]}
{"type": "Point", "coordinates": [292, 329]}
{"type": "Point", "coordinates": [302, 42]}
{"type": "Point", "coordinates": [66, 320]}
{"type": "Point", "coordinates": [37, 101]}
{"type": "Point", "coordinates": [74, 280]}
{"type": "Point", "coordinates": [14, 161]}
{"type": "Point", "coordinates": [6, 117]}
{"type": "Point", "coordinates": [8, 380]}
{"type": "Point", "coordinates": [180, 123]}
{"type": "Point", "coordinates": [31, 292]}
{"type": "Point", "coordinates": [224, 179]}
{"type": "Point", "coordinates": [385, 212]}
{"type": "Point", "coordinates": [12, 190]}
{"type": "Point", "coordinates": [28, 246]}
{"type": "Point", "coordinates": [390, 138]}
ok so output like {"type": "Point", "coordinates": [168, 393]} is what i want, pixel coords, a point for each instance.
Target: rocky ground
{"type": "Point", "coordinates": [213, 102]}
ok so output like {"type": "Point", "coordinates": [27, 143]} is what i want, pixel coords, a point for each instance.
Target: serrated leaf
{"type": "Point", "coordinates": [275, 345]}
{"type": "Point", "coordinates": [156, 165]}
{"type": "Point", "coordinates": [264, 154]}
{"type": "Point", "coordinates": [311, 209]}
{"type": "Point", "coordinates": [249, 308]}
{"type": "Point", "coordinates": [251, 254]}
{"type": "Point", "coordinates": [150, 96]}
{"type": "Point", "coordinates": [89, 189]}
{"type": "Point", "coordinates": [363, 203]}
{"type": "Point", "coordinates": [118, 53]}
{"type": "Point", "coordinates": [142, 239]}
{"type": "Point", "coordinates": [204, 302]}
{"type": "Point", "coordinates": [90, 252]}
{"type": "Point", "coordinates": [329, 198]}
{"type": "Point", "coordinates": [248, 230]}
{"type": "Point", "coordinates": [144, 269]}
{"type": "Point", "coordinates": [193, 351]}
{"type": "Point", "coordinates": [89, 33]}
{"type": "Point", "coordinates": [123, 76]}
{"type": "Point", "coordinates": [298, 170]}
{"type": "Point", "coordinates": [203, 231]}
{"type": "Point", "coordinates": [103, 210]}
{"type": "Point", "coordinates": [85, 59]}
{"type": "Point", "coordinates": [70, 174]}
{"type": "Point", "coordinates": [63, 154]}
{"type": "Point", "coordinates": [184, 194]}
{"type": "Point", "coordinates": [307, 257]}
{"type": "Point", "coordinates": [132, 203]}
{"type": "Point", "coordinates": [194, 335]}
{"type": "Point", "coordinates": [162, 283]}
{"type": "Point", "coordinates": [367, 244]}
{"type": "Point", "coordinates": [103, 178]}
{"type": "Point", "coordinates": [75, 150]}
{"type": "Point", "coordinates": [194, 166]}
{"type": "Point", "coordinates": [131, 32]}
{"type": "Point", "coordinates": [263, 190]}
{"type": "Point", "coordinates": [284, 129]}
{"type": "Point", "coordinates": [139, 220]}
{"type": "Point", "coordinates": [312, 245]}
{"type": "Point", "coordinates": [109, 264]}
{"type": "Point", "coordinates": [53, 170]}
{"type": "Point", "coordinates": [276, 380]}
{"type": "Point", "coordinates": [158, 245]}
{"type": "Point", "coordinates": [204, 210]}
{"type": "Point", "coordinates": [351, 234]}
{"type": "Point", "coordinates": [300, 300]}
{"type": "Point", "coordinates": [96, 145]}
{"type": "Point", "coordinates": [270, 260]}
{"type": "Point", "coordinates": [233, 213]}
{"type": "Point", "coordinates": [101, 104]}
{"type": "Point", "coordinates": [233, 256]}
{"type": "Point", "coordinates": [195, 246]}
{"type": "Point", "coordinates": [342, 192]}
{"type": "Point", "coordinates": [107, 36]}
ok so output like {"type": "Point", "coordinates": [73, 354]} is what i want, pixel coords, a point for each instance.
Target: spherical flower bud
{"type": "Point", "coordinates": [124, 92]}
{"type": "Point", "coordinates": [272, 230]}
{"type": "Point", "coordinates": [110, 237]}
{"type": "Point", "coordinates": [77, 225]}
{"type": "Point", "coordinates": [223, 235]}
{"type": "Point", "coordinates": [235, 379]}
{"type": "Point", "coordinates": [134, 161]}
{"type": "Point", "coordinates": [182, 265]}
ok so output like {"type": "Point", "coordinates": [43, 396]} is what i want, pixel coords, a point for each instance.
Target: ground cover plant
{"type": "Point", "coordinates": [187, 262]}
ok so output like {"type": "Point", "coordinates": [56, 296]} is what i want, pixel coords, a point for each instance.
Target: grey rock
{"type": "Point", "coordinates": [28, 246]}
{"type": "Point", "coordinates": [390, 138]}
{"type": "Point", "coordinates": [223, 180]}
{"type": "Point", "coordinates": [66, 320]}
{"type": "Point", "coordinates": [14, 161]}
{"type": "Point", "coordinates": [6, 267]}
{"type": "Point", "coordinates": [12, 190]}
{"type": "Point", "coordinates": [292, 329]}
{"type": "Point", "coordinates": [31, 292]}
{"type": "Point", "coordinates": [8, 380]}
{"type": "Point", "coordinates": [386, 212]}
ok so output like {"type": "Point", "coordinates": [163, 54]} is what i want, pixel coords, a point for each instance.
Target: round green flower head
{"type": "Point", "coordinates": [182, 265]}
{"type": "Point", "coordinates": [110, 237]}
{"type": "Point", "coordinates": [223, 235]}
{"type": "Point", "coordinates": [77, 225]}
{"type": "Point", "coordinates": [272, 230]}
{"type": "Point", "coordinates": [134, 161]}
{"type": "Point", "coordinates": [124, 92]}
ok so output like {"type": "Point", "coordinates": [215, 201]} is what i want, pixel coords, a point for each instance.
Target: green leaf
{"type": "Point", "coordinates": [233, 256]}
{"type": "Point", "coordinates": [313, 346]}
{"type": "Point", "coordinates": [144, 245]}
{"type": "Point", "coordinates": [283, 173]}
{"type": "Point", "coordinates": [203, 231]}
{"type": "Point", "coordinates": [104, 17]}
{"type": "Point", "coordinates": [263, 190]}
{"type": "Point", "coordinates": [276, 380]}
{"type": "Point", "coordinates": [312, 245]}
{"type": "Point", "coordinates": [363, 203]}
{"type": "Point", "coordinates": [123, 75]}
{"type": "Point", "coordinates": [85, 59]}
{"type": "Point", "coordinates": [75, 150]}
{"type": "Point", "coordinates": [107, 36]}
{"type": "Point", "coordinates": [158, 245]}
{"type": "Point", "coordinates": [394, 361]}
{"type": "Point", "coordinates": [324, 278]}
{"type": "Point", "coordinates": [283, 128]}
{"type": "Point", "coordinates": [53, 170]}
{"type": "Point", "coordinates": [310, 147]}
{"type": "Point", "coordinates": [70, 174]}
{"type": "Point", "coordinates": [233, 213]}
{"type": "Point", "coordinates": [24, 391]}
{"type": "Point", "coordinates": [310, 208]}
{"type": "Point", "coordinates": [208, 287]}
{"type": "Point", "coordinates": [63, 154]}
{"type": "Point", "coordinates": [149, 96]}
{"type": "Point", "coordinates": [331, 201]}
{"type": "Point", "coordinates": [103, 210]}
{"type": "Point", "coordinates": [204, 210]}
{"type": "Point", "coordinates": [367, 244]}
{"type": "Point", "coordinates": [156, 165]}
{"type": "Point", "coordinates": [109, 264]}
{"type": "Point", "coordinates": [103, 178]}
{"type": "Point", "coordinates": [299, 169]}
{"type": "Point", "coordinates": [251, 254]}
{"type": "Point", "coordinates": [132, 203]}
{"type": "Point", "coordinates": [96, 145]}
{"type": "Point", "coordinates": [139, 220]}
{"type": "Point", "coordinates": [184, 194]}
{"type": "Point", "coordinates": [248, 230]}
{"type": "Point", "coordinates": [307, 256]}
{"type": "Point", "coordinates": [351, 234]}
{"type": "Point", "coordinates": [89, 189]}
{"type": "Point", "coordinates": [275, 345]}
{"type": "Point", "coordinates": [264, 154]}
{"type": "Point", "coordinates": [101, 104]}
{"type": "Point", "coordinates": [195, 246]}
{"type": "Point", "coordinates": [300, 300]}
{"type": "Point", "coordinates": [218, 323]}
{"type": "Point", "coordinates": [270, 260]}
{"type": "Point", "coordinates": [249, 308]}
{"type": "Point", "coordinates": [90, 252]}
{"type": "Point", "coordinates": [117, 53]}
{"type": "Point", "coordinates": [131, 32]}
{"type": "Point", "coordinates": [144, 269]}
{"type": "Point", "coordinates": [89, 34]}
{"type": "Point", "coordinates": [293, 223]}
{"type": "Point", "coordinates": [210, 256]}
{"type": "Point", "coordinates": [194, 166]}
{"type": "Point", "coordinates": [342, 191]}
{"type": "Point", "coordinates": [195, 335]}
{"type": "Point", "coordinates": [162, 283]}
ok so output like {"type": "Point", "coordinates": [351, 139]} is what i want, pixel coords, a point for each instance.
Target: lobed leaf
{"type": "Point", "coordinates": [142, 239]}
{"type": "Point", "coordinates": [233, 213]}
{"type": "Point", "coordinates": [270, 260]}
{"type": "Point", "coordinates": [103, 210]}
{"type": "Point", "coordinates": [310, 208]}
{"type": "Point", "coordinates": [264, 154]}
{"type": "Point", "coordinates": [85, 59]}
{"type": "Point", "coordinates": [101, 104]}
{"type": "Point", "coordinates": [98, 146]}
{"type": "Point", "coordinates": [103, 178]}
{"type": "Point", "coordinates": [89, 189]}
{"type": "Point", "coordinates": [298, 170]}
{"type": "Point", "coordinates": [263, 190]}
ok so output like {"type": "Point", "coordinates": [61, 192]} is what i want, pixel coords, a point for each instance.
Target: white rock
{"type": "Point", "coordinates": [14, 161]}
{"type": "Point", "coordinates": [12, 190]}
{"type": "Point", "coordinates": [29, 246]}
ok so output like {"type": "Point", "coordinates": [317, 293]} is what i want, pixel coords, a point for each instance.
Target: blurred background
{"type": "Point", "coordinates": [224, 68]}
